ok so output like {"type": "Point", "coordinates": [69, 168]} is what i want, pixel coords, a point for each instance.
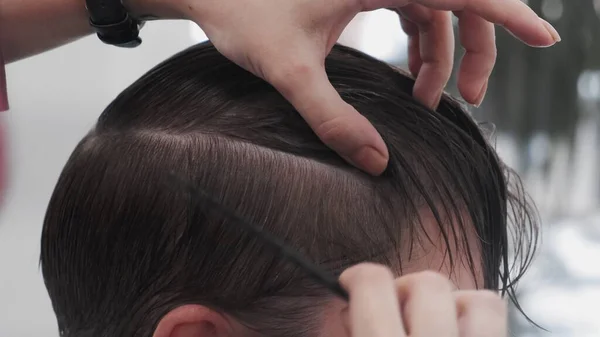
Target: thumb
{"type": "Point", "coordinates": [340, 126]}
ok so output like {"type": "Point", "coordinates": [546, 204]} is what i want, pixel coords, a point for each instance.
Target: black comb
{"type": "Point", "coordinates": [279, 246]}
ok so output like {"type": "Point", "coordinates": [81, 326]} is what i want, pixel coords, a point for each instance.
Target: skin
{"type": "Point", "coordinates": [429, 300]}
{"type": "Point", "coordinates": [285, 43]}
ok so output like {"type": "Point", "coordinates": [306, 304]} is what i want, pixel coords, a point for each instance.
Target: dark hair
{"type": "Point", "coordinates": [120, 248]}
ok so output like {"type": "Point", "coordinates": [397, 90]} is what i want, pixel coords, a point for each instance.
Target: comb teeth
{"type": "Point", "coordinates": [279, 246]}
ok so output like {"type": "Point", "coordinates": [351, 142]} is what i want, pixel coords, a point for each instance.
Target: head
{"type": "Point", "coordinates": [126, 254]}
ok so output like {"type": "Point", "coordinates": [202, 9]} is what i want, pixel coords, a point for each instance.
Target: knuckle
{"type": "Point", "coordinates": [367, 273]}
{"type": "Point", "coordinates": [285, 74]}
{"type": "Point", "coordinates": [492, 301]}
{"type": "Point", "coordinates": [346, 132]}
{"type": "Point", "coordinates": [488, 296]}
{"type": "Point", "coordinates": [333, 130]}
{"type": "Point", "coordinates": [431, 280]}
{"type": "Point", "coordinates": [487, 300]}
{"type": "Point", "coordinates": [489, 55]}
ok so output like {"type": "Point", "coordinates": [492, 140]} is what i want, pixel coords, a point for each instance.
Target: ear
{"type": "Point", "coordinates": [192, 320]}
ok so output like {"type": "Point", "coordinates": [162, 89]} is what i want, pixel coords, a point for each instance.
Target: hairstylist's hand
{"type": "Point", "coordinates": [418, 305]}
{"type": "Point", "coordinates": [286, 42]}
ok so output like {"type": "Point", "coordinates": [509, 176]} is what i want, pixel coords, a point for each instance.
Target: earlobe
{"type": "Point", "coordinates": [193, 320]}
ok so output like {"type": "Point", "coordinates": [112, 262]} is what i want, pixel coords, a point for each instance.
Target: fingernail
{"type": "Point", "coordinates": [551, 30]}
{"type": "Point", "coordinates": [370, 160]}
{"type": "Point", "coordinates": [481, 94]}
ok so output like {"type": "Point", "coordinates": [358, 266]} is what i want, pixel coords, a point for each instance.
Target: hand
{"type": "Point", "coordinates": [286, 42]}
{"type": "Point", "coordinates": [431, 43]}
{"type": "Point", "coordinates": [430, 306]}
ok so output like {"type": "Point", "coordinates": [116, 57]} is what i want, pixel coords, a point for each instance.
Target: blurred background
{"type": "Point", "coordinates": [543, 107]}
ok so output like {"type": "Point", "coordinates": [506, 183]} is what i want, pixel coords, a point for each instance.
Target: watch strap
{"type": "Point", "coordinates": [114, 25]}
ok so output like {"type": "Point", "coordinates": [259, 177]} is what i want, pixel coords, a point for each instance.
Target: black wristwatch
{"type": "Point", "coordinates": [114, 25]}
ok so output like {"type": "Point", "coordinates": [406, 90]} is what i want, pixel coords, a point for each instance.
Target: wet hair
{"type": "Point", "coordinates": [120, 248]}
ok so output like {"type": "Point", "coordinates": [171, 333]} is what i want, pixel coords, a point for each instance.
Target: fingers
{"type": "Point", "coordinates": [431, 33]}
{"type": "Point", "coordinates": [478, 38]}
{"type": "Point", "coordinates": [414, 53]}
{"type": "Point", "coordinates": [436, 51]}
{"type": "Point", "coordinates": [514, 15]}
{"type": "Point", "coordinates": [428, 305]}
{"type": "Point", "coordinates": [481, 311]}
{"type": "Point", "coordinates": [374, 309]}
{"type": "Point", "coordinates": [306, 86]}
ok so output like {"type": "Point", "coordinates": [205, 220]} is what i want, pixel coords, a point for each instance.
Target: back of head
{"type": "Point", "coordinates": [121, 247]}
